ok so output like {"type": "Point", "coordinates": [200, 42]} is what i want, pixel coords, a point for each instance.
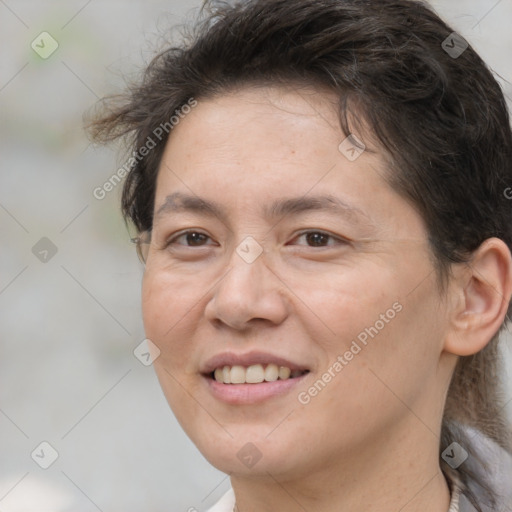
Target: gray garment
{"type": "Point", "coordinates": [497, 470]}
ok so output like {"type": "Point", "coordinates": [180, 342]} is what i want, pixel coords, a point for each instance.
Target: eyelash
{"type": "Point", "coordinates": [342, 241]}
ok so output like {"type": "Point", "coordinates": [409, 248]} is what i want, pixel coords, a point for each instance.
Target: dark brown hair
{"type": "Point", "coordinates": [442, 119]}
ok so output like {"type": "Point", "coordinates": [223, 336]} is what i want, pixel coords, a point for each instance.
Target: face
{"type": "Point", "coordinates": [300, 264]}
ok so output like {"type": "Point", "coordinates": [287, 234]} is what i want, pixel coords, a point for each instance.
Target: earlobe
{"type": "Point", "coordinates": [484, 287]}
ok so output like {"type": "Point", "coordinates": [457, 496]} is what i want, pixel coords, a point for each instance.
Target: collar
{"type": "Point", "coordinates": [455, 491]}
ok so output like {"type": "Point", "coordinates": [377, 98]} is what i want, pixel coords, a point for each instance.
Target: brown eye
{"type": "Point", "coordinates": [193, 238]}
{"type": "Point", "coordinates": [320, 238]}
{"type": "Point", "coordinates": [317, 238]}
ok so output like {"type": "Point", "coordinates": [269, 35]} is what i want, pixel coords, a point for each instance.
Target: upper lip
{"type": "Point", "coordinates": [247, 359]}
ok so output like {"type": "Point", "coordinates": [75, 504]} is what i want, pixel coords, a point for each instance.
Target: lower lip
{"type": "Point", "coordinates": [239, 394]}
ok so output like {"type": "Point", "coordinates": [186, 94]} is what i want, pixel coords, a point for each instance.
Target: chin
{"type": "Point", "coordinates": [239, 455]}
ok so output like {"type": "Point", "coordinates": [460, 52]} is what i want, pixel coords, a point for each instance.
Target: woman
{"type": "Point", "coordinates": [319, 188]}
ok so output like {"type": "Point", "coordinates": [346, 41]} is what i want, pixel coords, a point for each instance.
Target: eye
{"type": "Point", "coordinates": [317, 238]}
{"type": "Point", "coordinates": [194, 237]}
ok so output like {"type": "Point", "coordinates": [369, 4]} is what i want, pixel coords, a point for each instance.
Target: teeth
{"type": "Point", "coordinates": [226, 375]}
{"type": "Point", "coordinates": [237, 375]}
{"type": "Point", "coordinates": [271, 373]}
{"type": "Point", "coordinates": [284, 373]}
{"type": "Point", "coordinates": [254, 374]}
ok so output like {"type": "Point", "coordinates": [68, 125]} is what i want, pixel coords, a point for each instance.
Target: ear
{"type": "Point", "coordinates": [481, 291]}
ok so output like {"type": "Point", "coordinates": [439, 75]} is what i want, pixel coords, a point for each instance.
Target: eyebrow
{"type": "Point", "coordinates": [180, 202]}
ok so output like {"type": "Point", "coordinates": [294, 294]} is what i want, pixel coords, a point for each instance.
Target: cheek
{"type": "Point", "coordinates": [167, 310]}
{"type": "Point", "coordinates": [349, 302]}
{"type": "Point", "coordinates": [381, 329]}
{"type": "Point", "coordinates": [164, 311]}
{"type": "Point", "coordinates": [399, 359]}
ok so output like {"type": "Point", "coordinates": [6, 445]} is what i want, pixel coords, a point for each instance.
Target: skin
{"type": "Point", "coordinates": [369, 440]}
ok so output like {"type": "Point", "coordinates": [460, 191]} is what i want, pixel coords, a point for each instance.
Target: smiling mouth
{"type": "Point", "coordinates": [254, 374]}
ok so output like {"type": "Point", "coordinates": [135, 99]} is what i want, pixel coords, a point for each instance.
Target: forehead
{"type": "Point", "coordinates": [263, 148]}
{"type": "Point", "coordinates": [290, 116]}
{"type": "Point", "coordinates": [254, 129]}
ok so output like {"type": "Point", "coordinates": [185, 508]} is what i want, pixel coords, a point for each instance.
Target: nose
{"type": "Point", "coordinates": [249, 292]}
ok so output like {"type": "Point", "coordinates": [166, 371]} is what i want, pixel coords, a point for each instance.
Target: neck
{"type": "Point", "coordinates": [390, 475]}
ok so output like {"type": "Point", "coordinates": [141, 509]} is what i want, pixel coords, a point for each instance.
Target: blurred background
{"type": "Point", "coordinates": [70, 280]}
